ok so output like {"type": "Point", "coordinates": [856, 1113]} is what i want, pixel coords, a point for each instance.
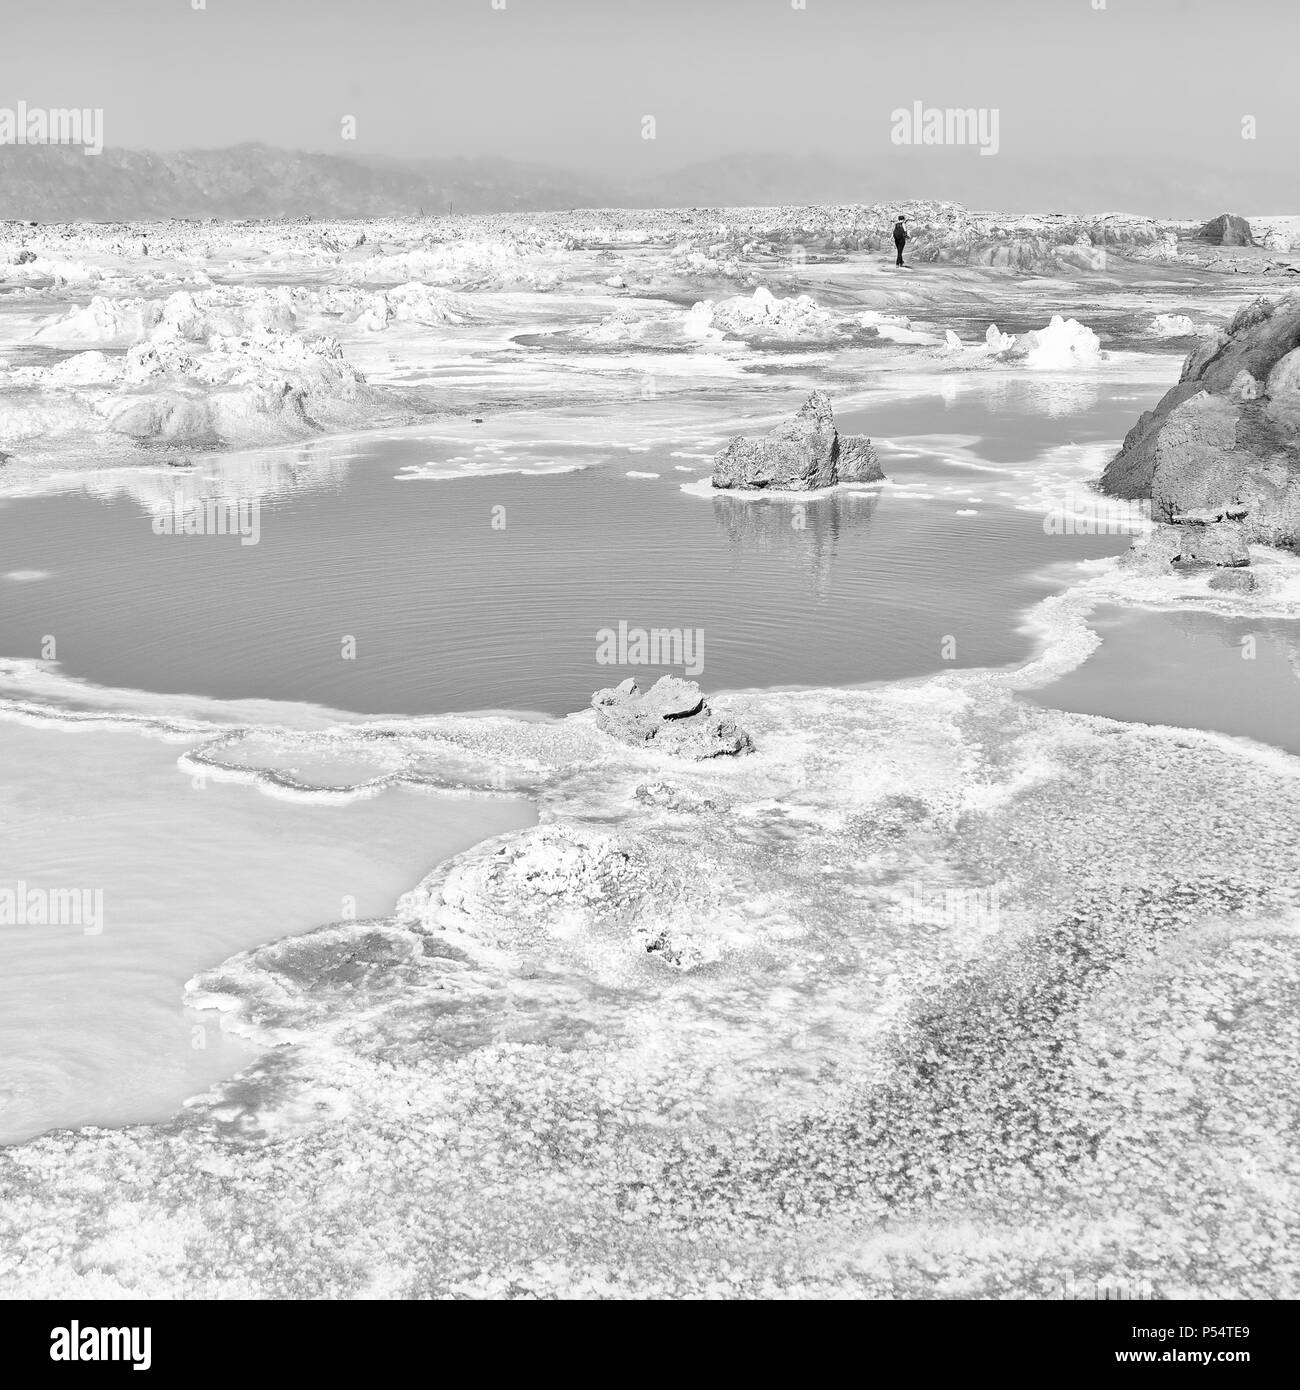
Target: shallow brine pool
{"type": "Point", "coordinates": [377, 583]}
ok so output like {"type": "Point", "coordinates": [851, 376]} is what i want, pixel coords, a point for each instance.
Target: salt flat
{"type": "Point", "coordinates": [936, 989]}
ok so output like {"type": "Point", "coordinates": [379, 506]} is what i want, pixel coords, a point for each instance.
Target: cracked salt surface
{"type": "Point", "coordinates": [802, 1082]}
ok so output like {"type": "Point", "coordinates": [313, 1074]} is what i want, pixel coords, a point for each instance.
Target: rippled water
{"type": "Point", "coordinates": [377, 592]}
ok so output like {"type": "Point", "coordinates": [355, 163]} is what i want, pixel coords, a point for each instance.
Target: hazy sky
{"type": "Point", "coordinates": [567, 82]}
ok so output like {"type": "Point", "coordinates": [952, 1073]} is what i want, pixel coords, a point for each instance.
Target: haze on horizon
{"type": "Point", "coordinates": [1104, 101]}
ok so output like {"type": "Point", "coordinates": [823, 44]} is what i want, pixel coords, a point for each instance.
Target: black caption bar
{"type": "Point", "coordinates": [1127, 1338]}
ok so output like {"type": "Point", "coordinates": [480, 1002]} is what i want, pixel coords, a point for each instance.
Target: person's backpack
{"type": "Point", "coordinates": [900, 233]}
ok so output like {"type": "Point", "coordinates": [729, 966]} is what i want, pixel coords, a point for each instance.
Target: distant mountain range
{"type": "Point", "coordinates": [55, 184]}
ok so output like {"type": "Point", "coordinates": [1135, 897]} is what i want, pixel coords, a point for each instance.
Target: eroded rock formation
{"type": "Point", "coordinates": [801, 454]}
{"type": "Point", "coordinates": [1226, 440]}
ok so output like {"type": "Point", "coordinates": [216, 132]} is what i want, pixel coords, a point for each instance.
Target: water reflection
{"type": "Point", "coordinates": [188, 480]}
{"type": "Point", "coordinates": [1241, 636]}
{"type": "Point", "coordinates": [804, 532]}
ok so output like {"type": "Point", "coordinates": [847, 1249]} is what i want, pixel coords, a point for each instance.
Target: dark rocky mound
{"type": "Point", "coordinates": [671, 716]}
{"type": "Point", "coordinates": [799, 455]}
{"type": "Point", "coordinates": [1225, 442]}
{"type": "Point", "coordinates": [1227, 230]}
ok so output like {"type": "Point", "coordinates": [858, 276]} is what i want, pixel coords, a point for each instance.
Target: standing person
{"type": "Point", "coordinates": [900, 238]}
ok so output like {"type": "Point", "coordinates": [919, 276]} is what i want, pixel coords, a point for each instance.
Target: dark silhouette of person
{"type": "Point", "coordinates": [900, 238]}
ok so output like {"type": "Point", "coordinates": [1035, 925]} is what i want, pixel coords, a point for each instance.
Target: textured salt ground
{"type": "Point", "coordinates": [503, 1092]}
{"type": "Point", "coordinates": [578, 1059]}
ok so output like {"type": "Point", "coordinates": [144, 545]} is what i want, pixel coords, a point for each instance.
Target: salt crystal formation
{"type": "Point", "coordinates": [671, 717]}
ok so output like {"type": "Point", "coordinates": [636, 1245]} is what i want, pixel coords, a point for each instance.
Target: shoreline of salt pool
{"type": "Point", "coordinates": [94, 1029]}
{"type": "Point", "coordinates": [212, 1146]}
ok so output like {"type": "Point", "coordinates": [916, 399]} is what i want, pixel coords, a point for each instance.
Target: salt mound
{"type": "Point", "coordinates": [269, 385]}
{"type": "Point", "coordinates": [183, 315]}
{"type": "Point", "coordinates": [1277, 233]}
{"type": "Point", "coordinates": [196, 318]}
{"type": "Point", "coordinates": [799, 316]}
{"type": "Point", "coordinates": [63, 273]}
{"type": "Point", "coordinates": [895, 328]}
{"type": "Point", "coordinates": [712, 261]}
{"type": "Point", "coordinates": [632, 325]}
{"type": "Point", "coordinates": [1172, 326]}
{"type": "Point", "coordinates": [84, 369]}
{"type": "Point", "coordinates": [1062, 345]}
{"type": "Point", "coordinates": [417, 303]}
{"type": "Point", "coordinates": [112, 322]}
{"type": "Point", "coordinates": [999, 341]}
{"type": "Point", "coordinates": [486, 264]}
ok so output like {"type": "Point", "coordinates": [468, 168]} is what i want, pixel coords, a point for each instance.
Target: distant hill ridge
{"type": "Point", "coordinates": [61, 183]}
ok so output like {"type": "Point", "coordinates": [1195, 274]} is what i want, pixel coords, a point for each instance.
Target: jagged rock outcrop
{"type": "Point", "coordinates": [1227, 437]}
{"type": "Point", "coordinates": [1227, 230]}
{"type": "Point", "coordinates": [801, 454]}
{"type": "Point", "coordinates": [798, 454]}
{"type": "Point", "coordinates": [1222, 543]}
{"type": "Point", "coordinates": [1206, 537]}
{"type": "Point", "coordinates": [856, 461]}
{"type": "Point", "coordinates": [672, 716]}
